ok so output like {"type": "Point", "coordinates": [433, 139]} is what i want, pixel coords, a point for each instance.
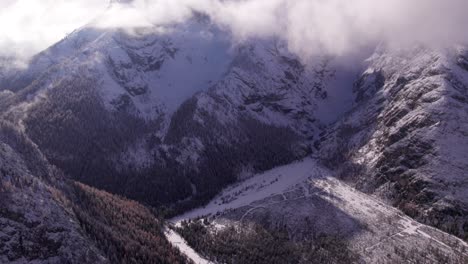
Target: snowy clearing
{"type": "Point", "coordinates": [261, 186]}
{"type": "Point", "coordinates": [178, 242]}
{"type": "Point", "coordinates": [307, 190]}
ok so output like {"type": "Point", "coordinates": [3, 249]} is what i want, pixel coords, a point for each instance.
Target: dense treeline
{"type": "Point", "coordinates": [126, 231]}
{"type": "Point", "coordinates": [32, 156]}
{"type": "Point", "coordinates": [82, 137]}
{"type": "Point", "coordinates": [251, 243]}
{"type": "Point", "coordinates": [35, 224]}
{"type": "Point", "coordinates": [227, 150]}
{"type": "Point", "coordinates": [78, 134]}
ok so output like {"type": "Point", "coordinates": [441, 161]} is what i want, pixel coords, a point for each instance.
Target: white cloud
{"type": "Point", "coordinates": [343, 26]}
{"type": "Point", "coordinates": [28, 26]}
{"type": "Point", "coordinates": [310, 27]}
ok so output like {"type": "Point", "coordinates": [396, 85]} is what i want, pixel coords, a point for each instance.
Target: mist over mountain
{"type": "Point", "coordinates": [253, 131]}
{"type": "Point", "coordinates": [335, 27]}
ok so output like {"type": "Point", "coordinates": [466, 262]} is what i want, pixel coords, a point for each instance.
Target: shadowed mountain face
{"type": "Point", "coordinates": [35, 223]}
{"type": "Point", "coordinates": [166, 116]}
{"type": "Point", "coordinates": [46, 219]}
{"type": "Point", "coordinates": [171, 116]}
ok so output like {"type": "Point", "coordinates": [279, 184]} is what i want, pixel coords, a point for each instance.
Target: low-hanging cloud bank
{"type": "Point", "coordinates": [310, 27]}
{"type": "Point", "coordinates": [29, 26]}
{"type": "Point", "coordinates": [339, 27]}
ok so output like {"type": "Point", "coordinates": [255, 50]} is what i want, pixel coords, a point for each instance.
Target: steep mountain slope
{"type": "Point", "coordinates": [126, 231]}
{"type": "Point", "coordinates": [45, 219]}
{"type": "Point", "coordinates": [169, 116]}
{"type": "Point", "coordinates": [36, 222]}
{"type": "Point", "coordinates": [124, 104]}
{"type": "Point", "coordinates": [304, 203]}
{"type": "Point", "coordinates": [403, 141]}
{"type": "Point", "coordinates": [406, 139]}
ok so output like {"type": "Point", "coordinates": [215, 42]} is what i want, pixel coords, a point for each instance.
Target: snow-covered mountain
{"type": "Point", "coordinates": [170, 116]}
{"type": "Point", "coordinates": [402, 144]}
{"type": "Point", "coordinates": [44, 218]}
{"type": "Point", "coordinates": [406, 139]}
{"type": "Point", "coordinates": [308, 201]}
{"type": "Point", "coordinates": [133, 104]}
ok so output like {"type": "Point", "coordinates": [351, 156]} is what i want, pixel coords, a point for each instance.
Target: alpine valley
{"type": "Point", "coordinates": [177, 144]}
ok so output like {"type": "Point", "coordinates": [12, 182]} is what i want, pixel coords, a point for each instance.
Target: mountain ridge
{"type": "Point", "coordinates": [172, 116]}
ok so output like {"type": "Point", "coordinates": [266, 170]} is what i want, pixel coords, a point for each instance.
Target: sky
{"type": "Point", "coordinates": [310, 27]}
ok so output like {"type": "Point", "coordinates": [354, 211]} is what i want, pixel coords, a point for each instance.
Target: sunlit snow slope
{"type": "Point", "coordinates": [308, 200]}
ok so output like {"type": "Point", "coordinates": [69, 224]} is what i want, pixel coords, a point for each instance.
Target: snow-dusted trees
{"type": "Point", "coordinates": [252, 243]}
{"type": "Point", "coordinates": [126, 231]}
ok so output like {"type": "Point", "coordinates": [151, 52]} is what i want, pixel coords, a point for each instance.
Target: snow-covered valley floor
{"type": "Point", "coordinates": [256, 188]}
{"type": "Point", "coordinates": [306, 198]}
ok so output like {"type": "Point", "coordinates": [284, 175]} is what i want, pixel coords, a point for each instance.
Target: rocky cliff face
{"type": "Point", "coordinates": [406, 139]}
